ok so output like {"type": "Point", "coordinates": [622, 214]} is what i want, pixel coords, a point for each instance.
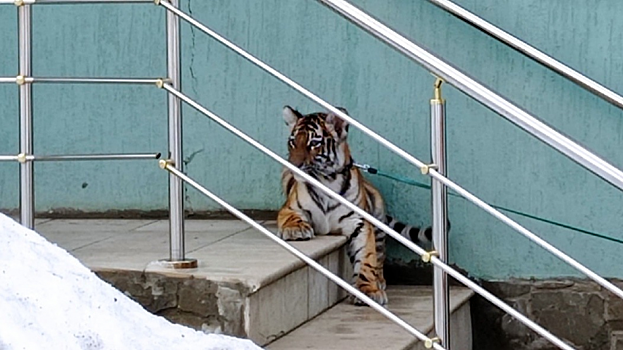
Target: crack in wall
{"type": "Point", "coordinates": [186, 161]}
{"type": "Point", "coordinates": [193, 77]}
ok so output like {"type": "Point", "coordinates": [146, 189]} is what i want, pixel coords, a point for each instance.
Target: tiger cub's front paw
{"type": "Point", "coordinates": [301, 231]}
{"type": "Point", "coordinates": [378, 295]}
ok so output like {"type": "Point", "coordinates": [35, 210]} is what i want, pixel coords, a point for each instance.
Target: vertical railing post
{"type": "Point", "coordinates": [27, 192]}
{"type": "Point", "coordinates": [439, 205]}
{"type": "Point", "coordinates": [177, 254]}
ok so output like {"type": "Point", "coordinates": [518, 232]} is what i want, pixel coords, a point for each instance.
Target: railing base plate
{"type": "Point", "coordinates": [180, 264]}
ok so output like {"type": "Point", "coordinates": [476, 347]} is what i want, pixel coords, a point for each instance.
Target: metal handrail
{"type": "Point", "coordinates": [20, 80]}
{"type": "Point", "coordinates": [479, 92]}
{"type": "Point", "coordinates": [425, 168]}
{"type": "Point", "coordinates": [309, 261]}
{"type": "Point", "coordinates": [22, 158]}
{"type": "Point", "coordinates": [587, 157]}
{"type": "Point", "coordinates": [532, 52]}
{"type": "Point", "coordinates": [407, 243]}
{"type": "Point", "coordinates": [70, 2]}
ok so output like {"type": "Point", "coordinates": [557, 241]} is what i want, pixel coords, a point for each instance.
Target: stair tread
{"type": "Point", "coordinates": [346, 326]}
{"type": "Point", "coordinates": [227, 250]}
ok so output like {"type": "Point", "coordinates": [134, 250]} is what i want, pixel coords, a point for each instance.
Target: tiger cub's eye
{"type": "Point", "coordinates": [315, 143]}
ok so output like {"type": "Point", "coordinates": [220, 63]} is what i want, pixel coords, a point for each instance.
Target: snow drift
{"type": "Point", "coordinates": [49, 300]}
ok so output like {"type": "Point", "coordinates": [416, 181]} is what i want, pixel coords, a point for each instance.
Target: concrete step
{"type": "Point", "coordinates": [345, 326]}
{"type": "Point", "coordinates": [245, 284]}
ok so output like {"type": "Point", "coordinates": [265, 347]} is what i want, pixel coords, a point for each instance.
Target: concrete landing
{"type": "Point", "coordinates": [345, 326]}
{"type": "Point", "coordinates": [227, 250]}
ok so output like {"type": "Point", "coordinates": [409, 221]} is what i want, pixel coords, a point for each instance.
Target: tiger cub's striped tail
{"type": "Point", "coordinates": [418, 235]}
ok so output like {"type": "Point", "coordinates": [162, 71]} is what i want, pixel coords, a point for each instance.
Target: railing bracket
{"type": "Point", "coordinates": [429, 342]}
{"type": "Point", "coordinates": [426, 257]}
{"type": "Point", "coordinates": [425, 169]}
{"type": "Point", "coordinates": [22, 158]}
{"type": "Point", "coordinates": [437, 92]}
{"type": "Point", "coordinates": [163, 163]}
{"type": "Point", "coordinates": [161, 81]}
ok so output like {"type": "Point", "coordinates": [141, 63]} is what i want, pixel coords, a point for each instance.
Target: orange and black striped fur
{"type": "Point", "coordinates": [317, 145]}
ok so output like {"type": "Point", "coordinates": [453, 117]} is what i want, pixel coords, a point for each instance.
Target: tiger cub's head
{"type": "Point", "coordinates": [317, 142]}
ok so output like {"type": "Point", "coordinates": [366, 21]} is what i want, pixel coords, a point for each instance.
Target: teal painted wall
{"type": "Point", "coordinates": [384, 90]}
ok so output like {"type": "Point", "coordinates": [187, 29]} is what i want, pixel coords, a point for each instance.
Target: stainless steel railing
{"type": "Point", "coordinates": [557, 140]}
{"type": "Point", "coordinates": [479, 92]}
{"type": "Point", "coordinates": [426, 256]}
{"type": "Point", "coordinates": [437, 66]}
{"type": "Point", "coordinates": [309, 261]}
{"type": "Point", "coordinates": [24, 80]}
{"type": "Point", "coordinates": [425, 167]}
{"type": "Point", "coordinates": [532, 52]}
{"type": "Point", "coordinates": [26, 169]}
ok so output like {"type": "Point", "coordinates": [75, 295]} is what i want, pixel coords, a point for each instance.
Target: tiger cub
{"type": "Point", "coordinates": [317, 145]}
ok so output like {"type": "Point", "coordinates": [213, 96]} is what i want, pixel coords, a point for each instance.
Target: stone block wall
{"type": "Point", "coordinates": [198, 303]}
{"type": "Point", "coordinates": [577, 311]}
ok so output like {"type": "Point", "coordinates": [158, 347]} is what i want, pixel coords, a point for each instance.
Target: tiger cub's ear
{"type": "Point", "coordinates": [337, 124]}
{"type": "Point", "coordinates": [291, 116]}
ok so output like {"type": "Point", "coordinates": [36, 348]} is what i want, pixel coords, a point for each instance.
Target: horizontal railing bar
{"type": "Point", "coordinates": [94, 157]}
{"type": "Point", "coordinates": [407, 243]}
{"type": "Point", "coordinates": [532, 52]}
{"type": "Point", "coordinates": [316, 266]}
{"type": "Point", "coordinates": [479, 92]}
{"type": "Point", "coordinates": [58, 2]}
{"type": "Point", "coordinates": [531, 236]}
{"type": "Point", "coordinates": [54, 80]}
{"type": "Point", "coordinates": [79, 80]}
{"type": "Point", "coordinates": [80, 157]}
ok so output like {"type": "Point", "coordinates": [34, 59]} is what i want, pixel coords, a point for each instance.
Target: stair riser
{"type": "Point", "coordinates": [292, 300]}
{"type": "Point", "coordinates": [231, 308]}
{"type": "Point", "coordinates": [460, 331]}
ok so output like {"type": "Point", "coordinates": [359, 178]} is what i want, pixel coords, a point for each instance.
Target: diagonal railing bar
{"type": "Point", "coordinates": [479, 92]}
{"type": "Point", "coordinates": [395, 149]}
{"type": "Point", "coordinates": [417, 249]}
{"type": "Point", "coordinates": [532, 52]}
{"type": "Point", "coordinates": [292, 83]}
{"type": "Point", "coordinates": [536, 239]}
{"type": "Point", "coordinates": [309, 261]}
{"type": "Point", "coordinates": [409, 244]}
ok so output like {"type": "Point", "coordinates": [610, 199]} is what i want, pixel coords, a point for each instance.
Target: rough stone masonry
{"type": "Point", "coordinates": [197, 303]}
{"type": "Point", "coordinates": [580, 312]}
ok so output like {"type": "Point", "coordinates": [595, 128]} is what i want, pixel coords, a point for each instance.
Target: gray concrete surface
{"type": "Point", "coordinates": [348, 327]}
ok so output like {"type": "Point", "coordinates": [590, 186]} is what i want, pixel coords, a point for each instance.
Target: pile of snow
{"type": "Point", "coordinates": [49, 300]}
